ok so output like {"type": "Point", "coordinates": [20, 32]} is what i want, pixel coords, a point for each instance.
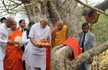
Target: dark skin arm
{"type": "Point", "coordinates": [90, 61]}
{"type": "Point", "coordinates": [53, 37]}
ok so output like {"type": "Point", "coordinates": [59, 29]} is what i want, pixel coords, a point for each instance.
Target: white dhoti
{"type": "Point", "coordinates": [27, 67]}
{"type": "Point", "coordinates": [1, 65]}
{"type": "Point", "coordinates": [34, 60]}
{"type": "Point", "coordinates": [30, 68]}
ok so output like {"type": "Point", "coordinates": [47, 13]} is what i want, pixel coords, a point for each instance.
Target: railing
{"type": "Point", "coordinates": [97, 59]}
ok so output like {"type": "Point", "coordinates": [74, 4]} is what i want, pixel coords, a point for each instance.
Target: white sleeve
{"type": "Point", "coordinates": [1, 40]}
{"type": "Point", "coordinates": [49, 35]}
{"type": "Point", "coordinates": [32, 32]}
{"type": "Point", "coordinates": [24, 38]}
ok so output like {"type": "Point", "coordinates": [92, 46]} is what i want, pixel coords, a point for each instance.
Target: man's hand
{"type": "Point", "coordinates": [90, 61]}
{"type": "Point", "coordinates": [6, 56]}
{"type": "Point", "coordinates": [81, 48]}
{"type": "Point", "coordinates": [19, 48]}
{"type": "Point", "coordinates": [10, 42]}
{"type": "Point", "coordinates": [48, 40]}
{"type": "Point", "coordinates": [39, 46]}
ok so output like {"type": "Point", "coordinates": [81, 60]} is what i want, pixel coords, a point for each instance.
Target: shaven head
{"type": "Point", "coordinates": [44, 22]}
{"type": "Point", "coordinates": [9, 22]}
{"type": "Point", "coordinates": [14, 26]}
{"type": "Point", "coordinates": [60, 25]}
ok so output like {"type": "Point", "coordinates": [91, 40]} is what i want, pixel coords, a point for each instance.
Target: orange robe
{"type": "Point", "coordinates": [13, 61]}
{"type": "Point", "coordinates": [74, 44]}
{"type": "Point", "coordinates": [60, 37]}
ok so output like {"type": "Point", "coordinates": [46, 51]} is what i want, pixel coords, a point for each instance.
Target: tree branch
{"type": "Point", "coordinates": [63, 3]}
{"type": "Point", "coordinates": [92, 7]}
{"type": "Point", "coordinates": [87, 55]}
{"type": "Point", "coordinates": [5, 6]}
{"type": "Point", "coordinates": [59, 58]}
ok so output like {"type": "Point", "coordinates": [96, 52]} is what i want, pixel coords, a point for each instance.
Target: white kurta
{"type": "Point", "coordinates": [3, 43]}
{"type": "Point", "coordinates": [25, 42]}
{"type": "Point", "coordinates": [34, 56]}
{"type": "Point", "coordinates": [24, 39]}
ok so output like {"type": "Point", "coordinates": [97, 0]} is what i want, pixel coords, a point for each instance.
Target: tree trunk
{"type": "Point", "coordinates": [58, 57]}
{"type": "Point", "coordinates": [73, 25]}
{"type": "Point", "coordinates": [33, 12]}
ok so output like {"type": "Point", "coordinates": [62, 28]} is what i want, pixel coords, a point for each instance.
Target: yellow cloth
{"type": "Point", "coordinates": [61, 36]}
{"type": "Point", "coordinates": [107, 51]}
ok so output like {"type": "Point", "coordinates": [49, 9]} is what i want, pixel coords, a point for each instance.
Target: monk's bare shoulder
{"type": "Point", "coordinates": [54, 30]}
{"type": "Point", "coordinates": [9, 32]}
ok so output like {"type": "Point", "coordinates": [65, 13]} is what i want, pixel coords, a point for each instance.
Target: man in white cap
{"type": "Point", "coordinates": [35, 56]}
{"type": "Point", "coordinates": [4, 39]}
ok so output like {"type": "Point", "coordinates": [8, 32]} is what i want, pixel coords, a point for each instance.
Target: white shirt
{"type": "Point", "coordinates": [21, 29]}
{"type": "Point", "coordinates": [38, 33]}
{"type": "Point", "coordinates": [24, 39]}
{"type": "Point", "coordinates": [3, 40]}
{"type": "Point", "coordinates": [9, 28]}
{"type": "Point", "coordinates": [84, 40]}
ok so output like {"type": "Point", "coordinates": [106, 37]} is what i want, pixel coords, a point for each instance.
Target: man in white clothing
{"type": "Point", "coordinates": [35, 56]}
{"type": "Point", "coordinates": [4, 40]}
{"type": "Point", "coordinates": [25, 34]}
{"type": "Point", "coordinates": [25, 39]}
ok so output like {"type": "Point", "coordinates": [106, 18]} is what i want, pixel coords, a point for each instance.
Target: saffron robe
{"type": "Point", "coordinates": [13, 61]}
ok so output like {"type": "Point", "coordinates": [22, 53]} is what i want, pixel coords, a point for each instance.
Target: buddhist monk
{"type": "Point", "coordinates": [13, 59]}
{"type": "Point", "coordinates": [59, 33]}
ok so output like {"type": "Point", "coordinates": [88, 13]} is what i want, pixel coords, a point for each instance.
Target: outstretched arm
{"type": "Point", "coordinates": [53, 38]}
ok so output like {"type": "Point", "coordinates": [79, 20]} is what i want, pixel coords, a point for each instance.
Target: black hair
{"type": "Point", "coordinates": [31, 23]}
{"type": "Point", "coordinates": [21, 20]}
{"type": "Point", "coordinates": [85, 24]}
{"type": "Point", "coordinates": [3, 18]}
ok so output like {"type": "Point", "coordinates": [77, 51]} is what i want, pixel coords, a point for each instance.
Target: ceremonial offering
{"type": "Point", "coordinates": [17, 43]}
{"type": "Point", "coordinates": [43, 43]}
{"type": "Point", "coordinates": [18, 39]}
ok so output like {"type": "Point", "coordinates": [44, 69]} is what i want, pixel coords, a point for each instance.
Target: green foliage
{"type": "Point", "coordinates": [33, 6]}
{"type": "Point", "coordinates": [51, 0]}
{"type": "Point", "coordinates": [39, 1]}
{"type": "Point", "coordinates": [101, 29]}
